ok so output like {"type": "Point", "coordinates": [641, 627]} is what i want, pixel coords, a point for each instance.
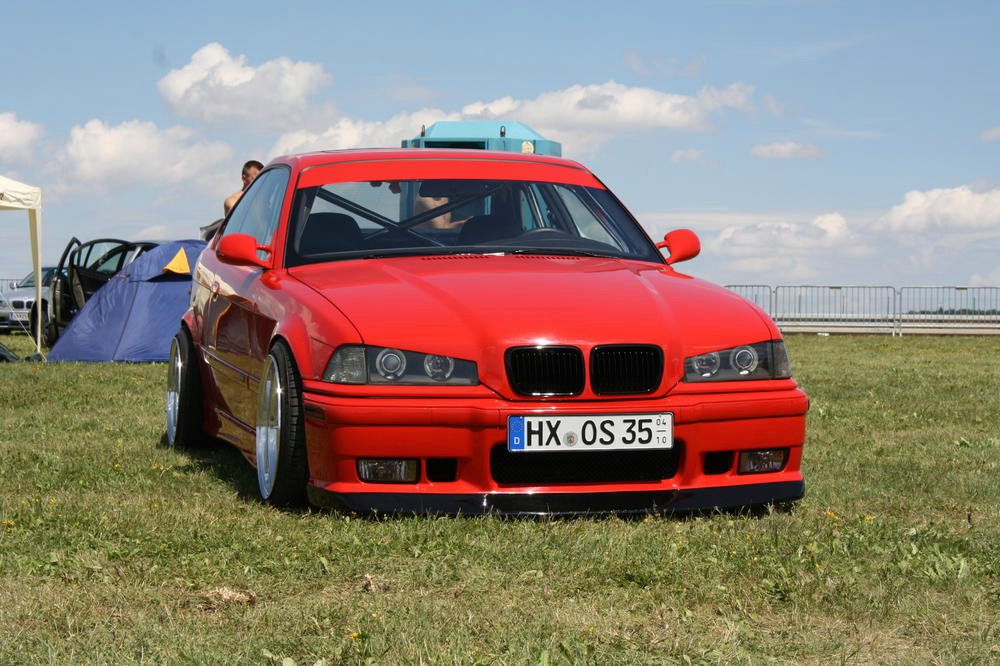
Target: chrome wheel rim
{"type": "Point", "coordinates": [175, 368]}
{"type": "Point", "coordinates": [268, 427]}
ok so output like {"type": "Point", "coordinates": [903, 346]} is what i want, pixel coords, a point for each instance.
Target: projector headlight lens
{"type": "Point", "coordinates": [390, 363]}
{"type": "Point", "coordinates": [762, 360]}
{"type": "Point", "coordinates": [744, 360]}
{"type": "Point", "coordinates": [439, 368]}
{"type": "Point", "coordinates": [706, 365]}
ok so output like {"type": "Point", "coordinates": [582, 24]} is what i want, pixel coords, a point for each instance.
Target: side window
{"type": "Point", "coordinates": [586, 222]}
{"type": "Point", "coordinates": [97, 256]}
{"type": "Point", "coordinates": [258, 210]}
{"type": "Point", "coordinates": [111, 262]}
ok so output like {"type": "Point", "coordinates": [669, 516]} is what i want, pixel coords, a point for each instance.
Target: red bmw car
{"type": "Point", "coordinates": [462, 332]}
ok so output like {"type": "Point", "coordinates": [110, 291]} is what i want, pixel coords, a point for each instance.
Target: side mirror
{"type": "Point", "coordinates": [241, 250]}
{"type": "Point", "coordinates": [682, 243]}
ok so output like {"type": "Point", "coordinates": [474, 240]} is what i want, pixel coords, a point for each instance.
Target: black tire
{"type": "Point", "coordinates": [282, 465]}
{"type": "Point", "coordinates": [50, 331]}
{"type": "Point", "coordinates": [35, 313]}
{"type": "Point", "coordinates": [185, 407]}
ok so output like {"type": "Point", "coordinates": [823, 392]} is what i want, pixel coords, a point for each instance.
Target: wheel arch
{"type": "Point", "coordinates": [309, 354]}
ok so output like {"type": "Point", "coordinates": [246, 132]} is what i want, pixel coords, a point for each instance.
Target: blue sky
{"type": "Point", "coordinates": [806, 142]}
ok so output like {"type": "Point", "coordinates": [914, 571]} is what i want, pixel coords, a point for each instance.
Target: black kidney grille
{"type": "Point", "coordinates": [582, 466]}
{"type": "Point", "coordinates": [618, 369]}
{"type": "Point", "coordinates": [545, 370]}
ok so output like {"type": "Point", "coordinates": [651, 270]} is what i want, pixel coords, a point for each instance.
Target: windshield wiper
{"type": "Point", "coordinates": [562, 250]}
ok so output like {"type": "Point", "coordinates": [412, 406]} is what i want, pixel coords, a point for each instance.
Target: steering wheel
{"type": "Point", "coordinates": [543, 231]}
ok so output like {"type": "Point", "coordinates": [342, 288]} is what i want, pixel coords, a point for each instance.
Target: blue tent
{"type": "Point", "coordinates": [135, 315]}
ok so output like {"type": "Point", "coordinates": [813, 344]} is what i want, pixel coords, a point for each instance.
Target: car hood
{"type": "Point", "coordinates": [476, 306]}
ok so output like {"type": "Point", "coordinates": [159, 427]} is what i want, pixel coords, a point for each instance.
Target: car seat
{"type": "Point", "coordinates": [487, 228]}
{"type": "Point", "coordinates": [329, 232]}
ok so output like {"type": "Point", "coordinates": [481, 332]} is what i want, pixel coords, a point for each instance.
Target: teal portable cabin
{"type": "Point", "coordinates": [509, 136]}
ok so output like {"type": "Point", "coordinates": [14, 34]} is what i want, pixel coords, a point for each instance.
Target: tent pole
{"type": "Point", "coordinates": [35, 224]}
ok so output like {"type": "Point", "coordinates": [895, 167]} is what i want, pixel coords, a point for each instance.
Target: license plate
{"type": "Point", "coordinates": [19, 316]}
{"type": "Point", "coordinates": [602, 432]}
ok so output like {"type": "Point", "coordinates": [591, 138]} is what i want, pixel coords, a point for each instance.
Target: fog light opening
{"type": "Point", "coordinates": [717, 462]}
{"type": "Point", "coordinates": [442, 469]}
{"type": "Point", "coordinates": [762, 461]}
{"type": "Point", "coordinates": [388, 470]}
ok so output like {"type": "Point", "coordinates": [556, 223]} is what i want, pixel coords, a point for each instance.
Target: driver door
{"type": "Point", "coordinates": [230, 309]}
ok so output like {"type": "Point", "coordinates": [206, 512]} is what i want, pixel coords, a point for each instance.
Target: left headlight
{"type": "Point", "coordinates": [361, 364]}
{"type": "Point", "coordinates": [763, 360]}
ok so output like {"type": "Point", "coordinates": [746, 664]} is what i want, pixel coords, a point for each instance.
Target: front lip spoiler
{"type": "Point", "coordinates": [562, 504]}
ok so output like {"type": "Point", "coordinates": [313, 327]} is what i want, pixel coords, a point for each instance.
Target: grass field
{"type": "Point", "coordinates": [114, 548]}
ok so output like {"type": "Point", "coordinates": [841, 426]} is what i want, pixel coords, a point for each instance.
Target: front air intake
{"type": "Point", "coordinates": [622, 369]}
{"type": "Point", "coordinates": [545, 371]}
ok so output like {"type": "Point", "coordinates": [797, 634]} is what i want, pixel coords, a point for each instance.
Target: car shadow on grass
{"type": "Point", "coordinates": [220, 461]}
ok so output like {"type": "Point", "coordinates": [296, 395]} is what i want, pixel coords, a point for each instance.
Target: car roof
{"type": "Point", "coordinates": [320, 158]}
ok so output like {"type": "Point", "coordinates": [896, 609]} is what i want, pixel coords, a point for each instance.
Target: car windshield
{"type": "Point", "coordinates": [29, 279]}
{"type": "Point", "coordinates": [387, 218]}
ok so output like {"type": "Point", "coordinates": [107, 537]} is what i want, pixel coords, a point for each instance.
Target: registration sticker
{"type": "Point", "coordinates": [601, 432]}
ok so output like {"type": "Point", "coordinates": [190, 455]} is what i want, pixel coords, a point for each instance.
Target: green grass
{"type": "Point", "coordinates": [114, 548]}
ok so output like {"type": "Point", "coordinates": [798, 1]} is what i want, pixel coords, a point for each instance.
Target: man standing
{"type": "Point", "coordinates": [250, 171]}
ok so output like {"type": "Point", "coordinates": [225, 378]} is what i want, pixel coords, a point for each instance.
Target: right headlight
{"type": "Point", "coordinates": [360, 364]}
{"type": "Point", "coordinates": [762, 360]}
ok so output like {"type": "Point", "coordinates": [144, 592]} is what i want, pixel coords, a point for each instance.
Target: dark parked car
{"type": "Point", "coordinates": [82, 270]}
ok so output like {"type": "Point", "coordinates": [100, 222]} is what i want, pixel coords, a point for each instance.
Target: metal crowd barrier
{"type": "Point", "coordinates": [878, 309]}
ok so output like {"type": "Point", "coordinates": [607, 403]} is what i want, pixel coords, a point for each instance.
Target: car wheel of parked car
{"type": "Point", "coordinates": [184, 395]}
{"type": "Point", "coordinates": [50, 332]}
{"type": "Point", "coordinates": [282, 468]}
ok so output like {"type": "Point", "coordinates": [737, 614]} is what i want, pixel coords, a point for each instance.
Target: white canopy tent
{"type": "Point", "coordinates": [18, 196]}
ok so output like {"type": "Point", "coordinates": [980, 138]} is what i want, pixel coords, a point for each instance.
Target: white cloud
{"type": "Point", "coordinates": [784, 250]}
{"type": "Point", "coordinates": [582, 117]}
{"type": "Point", "coordinates": [773, 106]}
{"type": "Point", "coordinates": [946, 210]}
{"type": "Point", "coordinates": [155, 231]}
{"type": "Point", "coordinates": [216, 87]}
{"type": "Point", "coordinates": [610, 108]}
{"type": "Point", "coordinates": [856, 247]}
{"type": "Point", "coordinates": [135, 153]}
{"type": "Point", "coordinates": [687, 154]}
{"type": "Point", "coordinates": [18, 138]}
{"type": "Point", "coordinates": [349, 133]}
{"type": "Point", "coordinates": [992, 134]}
{"type": "Point", "coordinates": [991, 279]}
{"type": "Point", "coordinates": [787, 150]}
{"type": "Point", "coordinates": [713, 220]}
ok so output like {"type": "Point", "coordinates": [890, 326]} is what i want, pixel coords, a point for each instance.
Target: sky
{"type": "Point", "coordinates": [806, 142]}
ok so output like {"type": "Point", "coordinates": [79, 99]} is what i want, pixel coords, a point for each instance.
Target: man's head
{"type": "Point", "coordinates": [250, 171]}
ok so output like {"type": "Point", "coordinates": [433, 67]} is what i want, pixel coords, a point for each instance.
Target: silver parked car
{"type": "Point", "coordinates": [16, 304]}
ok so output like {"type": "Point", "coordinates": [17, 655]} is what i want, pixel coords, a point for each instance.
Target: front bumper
{"type": "Point", "coordinates": [708, 427]}
{"type": "Point", "coordinates": [8, 322]}
{"type": "Point", "coordinates": [563, 504]}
